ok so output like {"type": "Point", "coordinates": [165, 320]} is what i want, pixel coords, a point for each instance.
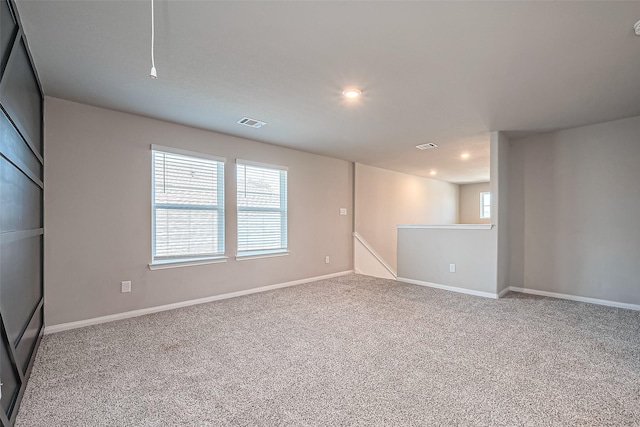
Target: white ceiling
{"type": "Point", "coordinates": [443, 72]}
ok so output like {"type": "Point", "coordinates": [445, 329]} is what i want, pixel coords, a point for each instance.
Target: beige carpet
{"type": "Point", "coordinates": [348, 351]}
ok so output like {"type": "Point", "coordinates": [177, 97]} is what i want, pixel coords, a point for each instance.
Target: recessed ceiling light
{"type": "Point", "coordinates": [464, 156]}
{"type": "Point", "coordinates": [432, 173]}
{"type": "Point", "coordinates": [637, 28]}
{"type": "Point", "coordinates": [352, 93]}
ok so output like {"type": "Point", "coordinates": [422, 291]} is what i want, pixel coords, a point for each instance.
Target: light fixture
{"type": "Point", "coordinates": [433, 173]}
{"type": "Point", "coordinates": [636, 27]}
{"type": "Point", "coordinates": [352, 93]}
{"type": "Point", "coordinates": [153, 74]}
{"type": "Point", "coordinates": [464, 156]}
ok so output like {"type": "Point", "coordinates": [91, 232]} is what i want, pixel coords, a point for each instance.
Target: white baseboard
{"type": "Point", "coordinates": [449, 288]}
{"type": "Point", "coordinates": [577, 298]}
{"type": "Point", "coordinates": [135, 313]}
{"type": "Point", "coordinates": [504, 292]}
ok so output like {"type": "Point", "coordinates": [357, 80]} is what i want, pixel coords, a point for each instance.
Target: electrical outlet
{"type": "Point", "coordinates": [125, 286]}
{"type": "Point", "coordinates": [343, 211]}
{"type": "Point", "coordinates": [326, 259]}
{"type": "Point", "coordinates": [452, 268]}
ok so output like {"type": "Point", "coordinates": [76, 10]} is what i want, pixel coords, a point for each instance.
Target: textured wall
{"type": "Point", "coordinates": [98, 214]}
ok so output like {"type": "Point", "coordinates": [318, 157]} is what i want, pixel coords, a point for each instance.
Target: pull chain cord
{"type": "Point", "coordinates": [154, 73]}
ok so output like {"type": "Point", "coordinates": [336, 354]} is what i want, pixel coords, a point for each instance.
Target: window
{"type": "Point", "coordinates": [485, 205]}
{"type": "Point", "coordinates": [262, 208]}
{"type": "Point", "coordinates": [188, 205]}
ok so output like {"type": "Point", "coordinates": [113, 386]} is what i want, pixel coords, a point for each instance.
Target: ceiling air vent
{"type": "Point", "coordinates": [426, 146]}
{"type": "Point", "coordinates": [252, 123]}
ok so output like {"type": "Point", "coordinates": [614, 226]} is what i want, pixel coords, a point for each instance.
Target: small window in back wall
{"type": "Point", "coordinates": [485, 205]}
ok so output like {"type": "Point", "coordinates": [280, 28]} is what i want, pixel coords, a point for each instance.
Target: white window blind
{"type": "Point", "coordinates": [262, 208]}
{"type": "Point", "coordinates": [188, 206]}
{"type": "Point", "coordinates": [485, 205]}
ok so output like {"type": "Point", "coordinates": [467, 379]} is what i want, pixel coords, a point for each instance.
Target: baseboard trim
{"type": "Point", "coordinates": [135, 313]}
{"type": "Point", "coordinates": [607, 303]}
{"type": "Point", "coordinates": [503, 292]}
{"type": "Point", "coordinates": [449, 288]}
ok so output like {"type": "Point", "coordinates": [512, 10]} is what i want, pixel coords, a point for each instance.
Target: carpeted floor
{"type": "Point", "coordinates": [354, 350]}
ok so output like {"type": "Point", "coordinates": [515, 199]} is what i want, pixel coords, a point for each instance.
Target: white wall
{"type": "Point", "coordinates": [499, 186]}
{"type": "Point", "coordinates": [574, 211]}
{"type": "Point", "coordinates": [469, 204]}
{"type": "Point", "coordinates": [384, 199]}
{"type": "Point", "coordinates": [98, 214]}
{"type": "Point", "coordinates": [424, 255]}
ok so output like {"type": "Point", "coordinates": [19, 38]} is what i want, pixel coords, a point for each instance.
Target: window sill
{"type": "Point", "coordinates": [258, 255]}
{"type": "Point", "coordinates": [161, 265]}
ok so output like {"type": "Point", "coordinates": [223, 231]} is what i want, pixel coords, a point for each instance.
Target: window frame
{"type": "Point", "coordinates": [187, 260]}
{"type": "Point", "coordinates": [482, 204]}
{"type": "Point", "coordinates": [284, 211]}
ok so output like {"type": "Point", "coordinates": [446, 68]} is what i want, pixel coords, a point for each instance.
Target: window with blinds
{"type": "Point", "coordinates": [262, 208]}
{"type": "Point", "coordinates": [188, 205]}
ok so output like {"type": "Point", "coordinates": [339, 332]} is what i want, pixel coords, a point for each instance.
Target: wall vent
{"type": "Point", "coordinates": [252, 123]}
{"type": "Point", "coordinates": [426, 146]}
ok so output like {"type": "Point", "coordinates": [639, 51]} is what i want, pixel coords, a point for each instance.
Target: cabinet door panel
{"type": "Point", "coordinates": [10, 380]}
{"type": "Point", "coordinates": [20, 96]}
{"type": "Point", "coordinates": [8, 30]}
{"type": "Point", "coordinates": [20, 282]}
{"type": "Point", "coordinates": [28, 340]}
{"type": "Point", "coordinates": [21, 200]}
{"type": "Point", "coordinates": [13, 147]}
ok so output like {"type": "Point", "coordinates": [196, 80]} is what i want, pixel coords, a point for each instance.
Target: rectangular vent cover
{"type": "Point", "coordinates": [426, 146]}
{"type": "Point", "coordinates": [252, 123]}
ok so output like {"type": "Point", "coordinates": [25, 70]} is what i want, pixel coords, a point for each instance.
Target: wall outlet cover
{"type": "Point", "coordinates": [125, 286]}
